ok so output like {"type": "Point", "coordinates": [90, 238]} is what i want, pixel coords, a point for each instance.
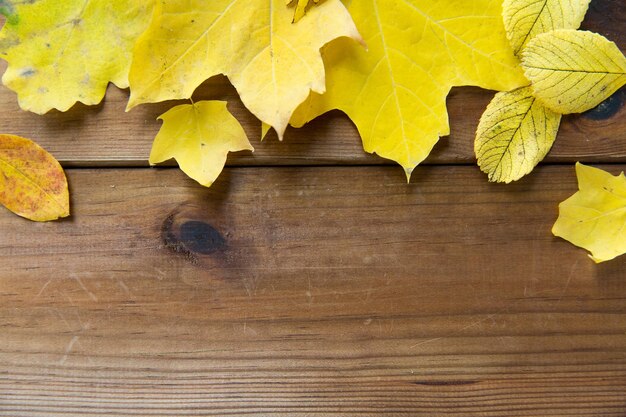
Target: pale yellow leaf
{"type": "Point", "coordinates": [265, 128]}
{"type": "Point", "coordinates": [32, 183]}
{"type": "Point", "coordinates": [272, 63]}
{"type": "Point", "coordinates": [514, 134]}
{"type": "Point", "coordinates": [60, 53]}
{"type": "Point", "coordinates": [573, 71]}
{"type": "Point", "coordinates": [199, 136]}
{"type": "Point", "coordinates": [395, 92]}
{"type": "Point", "coordinates": [595, 217]}
{"type": "Point", "coordinates": [525, 19]}
{"type": "Point", "coordinates": [301, 6]}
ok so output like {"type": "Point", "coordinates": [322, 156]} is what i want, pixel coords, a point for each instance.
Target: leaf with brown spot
{"type": "Point", "coordinates": [32, 182]}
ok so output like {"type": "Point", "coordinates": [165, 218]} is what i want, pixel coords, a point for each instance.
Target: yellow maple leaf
{"type": "Point", "coordinates": [594, 218]}
{"type": "Point", "coordinates": [32, 183]}
{"type": "Point", "coordinates": [395, 92]}
{"type": "Point", "coordinates": [272, 63]}
{"type": "Point", "coordinates": [514, 134]}
{"type": "Point", "coordinates": [199, 136]}
{"type": "Point", "coordinates": [525, 19]}
{"type": "Point", "coordinates": [301, 6]}
{"type": "Point", "coordinates": [572, 71]}
{"type": "Point", "coordinates": [60, 53]}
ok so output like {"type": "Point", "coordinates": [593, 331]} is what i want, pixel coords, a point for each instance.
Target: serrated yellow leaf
{"type": "Point", "coordinates": [594, 218]}
{"type": "Point", "coordinates": [525, 19]}
{"type": "Point", "coordinates": [32, 183]}
{"type": "Point", "coordinates": [395, 92]}
{"type": "Point", "coordinates": [514, 134]}
{"type": "Point", "coordinates": [301, 6]}
{"type": "Point", "coordinates": [573, 71]}
{"type": "Point", "coordinates": [272, 63]}
{"type": "Point", "coordinates": [199, 136]}
{"type": "Point", "coordinates": [60, 53]}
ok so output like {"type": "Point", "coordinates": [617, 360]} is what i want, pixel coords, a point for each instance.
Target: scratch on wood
{"type": "Point", "coordinates": [43, 288]}
{"type": "Point", "coordinates": [461, 330]}
{"type": "Point", "coordinates": [68, 349]}
{"type": "Point", "coordinates": [569, 280]}
{"type": "Point", "coordinates": [82, 285]}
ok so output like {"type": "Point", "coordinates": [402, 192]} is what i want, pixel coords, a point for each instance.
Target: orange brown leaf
{"type": "Point", "coordinates": [32, 182]}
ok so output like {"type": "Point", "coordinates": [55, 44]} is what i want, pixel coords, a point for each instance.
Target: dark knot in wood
{"type": "Point", "coordinates": [190, 236]}
{"type": "Point", "coordinates": [608, 108]}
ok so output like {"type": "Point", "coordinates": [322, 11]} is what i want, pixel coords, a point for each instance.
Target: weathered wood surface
{"type": "Point", "coordinates": [309, 291]}
{"type": "Point", "coordinates": [105, 135]}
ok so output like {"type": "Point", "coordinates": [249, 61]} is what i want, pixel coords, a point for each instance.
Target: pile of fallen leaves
{"type": "Point", "coordinates": [388, 65]}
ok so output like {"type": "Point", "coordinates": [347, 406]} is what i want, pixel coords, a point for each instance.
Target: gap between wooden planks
{"type": "Point", "coordinates": [309, 292]}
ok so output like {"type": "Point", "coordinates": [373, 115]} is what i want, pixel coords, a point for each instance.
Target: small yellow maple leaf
{"type": "Point", "coordinates": [572, 71]}
{"type": "Point", "coordinates": [32, 183]}
{"type": "Point", "coordinates": [60, 53]}
{"type": "Point", "coordinates": [272, 63]}
{"type": "Point", "coordinates": [395, 92]}
{"type": "Point", "coordinates": [199, 136]}
{"type": "Point", "coordinates": [525, 19]}
{"type": "Point", "coordinates": [514, 134]}
{"type": "Point", "coordinates": [594, 218]}
{"type": "Point", "coordinates": [301, 6]}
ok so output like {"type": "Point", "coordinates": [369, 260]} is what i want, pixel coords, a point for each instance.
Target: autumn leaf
{"type": "Point", "coordinates": [199, 136]}
{"type": "Point", "coordinates": [525, 19]}
{"type": "Point", "coordinates": [32, 183]}
{"type": "Point", "coordinates": [595, 217]}
{"type": "Point", "coordinates": [395, 92]}
{"type": "Point", "coordinates": [573, 71]}
{"type": "Point", "coordinates": [272, 63]}
{"type": "Point", "coordinates": [62, 53]}
{"type": "Point", "coordinates": [301, 6]}
{"type": "Point", "coordinates": [514, 134]}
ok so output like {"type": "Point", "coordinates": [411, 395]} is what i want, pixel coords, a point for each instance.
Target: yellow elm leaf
{"type": "Point", "coordinates": [514, 134]}
{"type": "Point", "coordinates": [525, 19]}
{"type": "Point", "coordinates": [59, 53]}
{"type": "Point", "coordinates": [32, 183]}
{"type": "Point", "coordinates": [594, 218]}
{"type": "Point", "coordinates": [395, 92]}
{"type": "Point", "coordinates": [573, 71]}
{"type": "Point", "coordinates": [301, 6]}
{"type": "Point", "coordinates": [199, 136]}
{"type": "Point", "coordinates": [272, 63]}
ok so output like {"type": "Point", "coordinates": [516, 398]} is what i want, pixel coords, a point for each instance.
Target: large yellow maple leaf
{"type": "Point", "coordinates": [395, 92]}
{"type": "Point", "coordinates": [272, 63]}
{"type": "Point", "coordinates": [63, 52]}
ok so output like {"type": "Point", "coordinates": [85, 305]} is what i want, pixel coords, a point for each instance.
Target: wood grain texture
{"type": "Point", "coordinates": [309, 292]}
{"type": "Point", "coordinates": [105, 135]}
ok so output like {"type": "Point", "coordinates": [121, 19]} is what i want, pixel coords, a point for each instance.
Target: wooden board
{"type": "Point", "coordinates": [304, 285]}
{"type": "Point", "coordinates": [105, 135]}
{"type": "Point", "coordinates": [309, 292]}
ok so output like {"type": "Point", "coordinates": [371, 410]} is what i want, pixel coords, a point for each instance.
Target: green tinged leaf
{"type": "Point", "coordinates": [514, 134]}
{"type": "Point", "coordinates": [63, 52]}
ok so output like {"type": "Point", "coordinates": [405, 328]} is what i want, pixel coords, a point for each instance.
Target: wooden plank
{"type": "Point", "coordinates": [309, 292]}
{"type": "Point", "coordinates": [106, 135]}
